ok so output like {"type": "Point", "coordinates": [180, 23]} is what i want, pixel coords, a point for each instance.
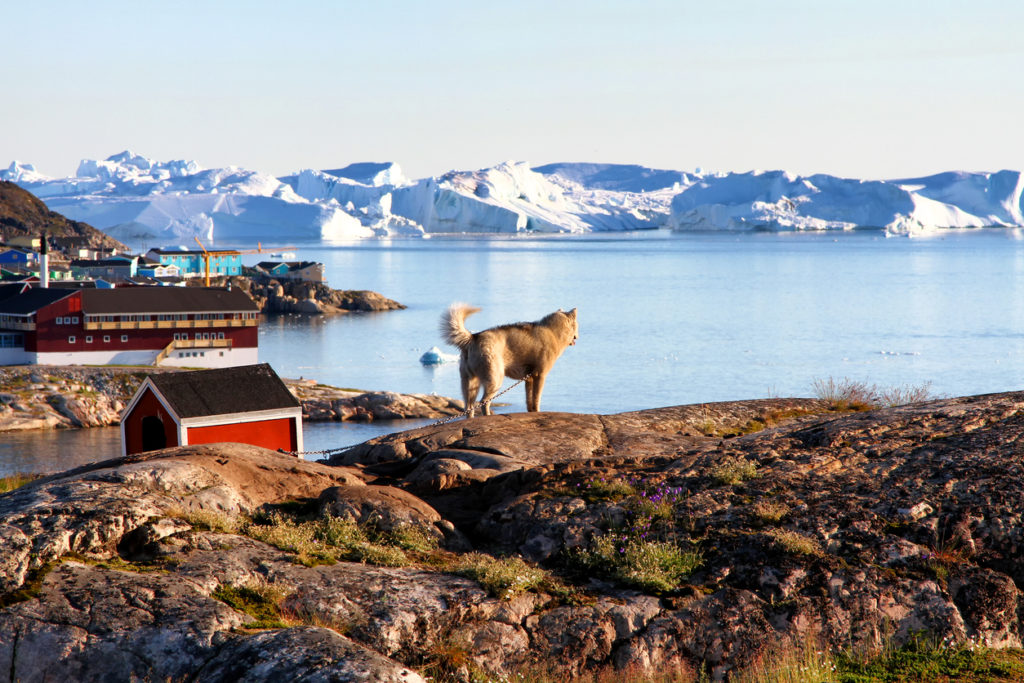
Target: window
{"type": "Point", "coordinates": [106, 338]}
{"type": "Point", "coordinates": [124, 337]}
{"type": "Point", "coordinates": [220, 335]}
{"type": "Point", "coordinates": [71, 339]}
{"type": "Point", "coordinates": [73, 319]}
{"type": "Point", "coordinates": [88, 340]}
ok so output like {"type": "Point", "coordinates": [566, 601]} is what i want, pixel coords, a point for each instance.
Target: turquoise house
{"type": "Point", "coordinates": [192, 262]}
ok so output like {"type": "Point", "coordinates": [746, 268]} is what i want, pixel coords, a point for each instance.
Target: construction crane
{"type": "Point", "coordinates": [214, 252]}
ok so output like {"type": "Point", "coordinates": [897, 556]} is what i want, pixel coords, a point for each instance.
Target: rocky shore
{"type": "Point", "coordinates": [72, 396]}
{"type": "Point", "coordinates": [692, 540]}
{"type": "Point", "coordinates": [310, 298]}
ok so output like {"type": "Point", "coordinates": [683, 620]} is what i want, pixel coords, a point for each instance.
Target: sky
{"type": "Point", "coordinates": [856, 88]}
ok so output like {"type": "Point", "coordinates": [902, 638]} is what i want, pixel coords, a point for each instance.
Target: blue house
{"type": "Point", "coordinates": [18, 257]}
{"type": "Point", "coordinates": [192, 262]}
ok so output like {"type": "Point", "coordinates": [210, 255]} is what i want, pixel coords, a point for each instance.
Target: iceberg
{"type": "Point", "coordinates": [778, 200]}
{"type": "Point", "coordinates": [435, 356]}
{"type": "Point", "coordinates": [141, 201]}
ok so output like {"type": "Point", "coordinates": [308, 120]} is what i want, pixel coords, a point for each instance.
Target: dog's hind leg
{"type": "Point", "coordinates": [470, 387]}
{"type": "Point", "coordinates": [492, 385]}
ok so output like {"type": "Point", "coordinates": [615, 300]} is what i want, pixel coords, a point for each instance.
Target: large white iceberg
{"type": "Point", "coordinates": [141, 201]}
{"type": "Point", "coordinates": [777, 200]}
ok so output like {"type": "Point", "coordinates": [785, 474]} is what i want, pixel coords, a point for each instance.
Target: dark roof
{"type": "Point", "coordinates": [223, 391]}
{"type": "Point", "coordinates": [100, 263]}
{"type": "Point", "coordinates": [292, 265]}
{"type": "Point", "coordinates": [32, 300]}
{"type": "Point", "coordinates": [165, 300]}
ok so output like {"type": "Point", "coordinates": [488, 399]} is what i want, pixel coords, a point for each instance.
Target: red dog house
{"type": "Point", "coordinates": [245, 404]}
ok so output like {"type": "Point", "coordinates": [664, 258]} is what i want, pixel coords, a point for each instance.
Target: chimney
{"type": "Point", "coordinates": [44, 262]}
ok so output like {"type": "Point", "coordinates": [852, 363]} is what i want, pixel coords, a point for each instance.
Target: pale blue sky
{"type": "Point", "coordinates": [859, 88]}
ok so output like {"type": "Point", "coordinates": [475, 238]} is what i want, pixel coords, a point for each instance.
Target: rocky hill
{"type": "Point", "coordinates": [22, 213]}
{"type": "Point", "coordinates": [679, 540]}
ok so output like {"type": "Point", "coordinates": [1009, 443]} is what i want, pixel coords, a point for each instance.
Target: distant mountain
{"type": "Point", "coordinates": [22, 213]}
{"type": "Point", "coordinates": [142, 201]}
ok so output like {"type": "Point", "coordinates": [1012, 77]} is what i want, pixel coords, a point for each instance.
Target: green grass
{"type": "Point", "coordinates": [14, 481]}
{"type": "Point", "coordinates": [652, 566]}
{"type": "Point", "coordinates": [261, 601]}
{"type": "Point", "coordinates": [923, 660]}
{"type": "Point", "coordinates": [731, 471]}
{"type": "Point", "coordinates": [504, 577]}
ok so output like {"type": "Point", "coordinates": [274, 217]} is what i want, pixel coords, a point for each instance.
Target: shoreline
{"type": "Point", "coordinates": [38, 397]}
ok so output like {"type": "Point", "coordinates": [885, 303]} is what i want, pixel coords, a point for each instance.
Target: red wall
{"type": "Point", "coordinates": [272, 434]}
{"type": "Point", "coordinates": [48, 330]}
{"type": "Point", "coordinates": [51, 337]}
{"type": "Point", "coordinates": [148, 405]}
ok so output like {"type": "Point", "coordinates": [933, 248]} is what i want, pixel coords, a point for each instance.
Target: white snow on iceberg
{"type": "Point", "coordinates": [140, 201]}
{"type": "Point", "coordinates": [777, 200]}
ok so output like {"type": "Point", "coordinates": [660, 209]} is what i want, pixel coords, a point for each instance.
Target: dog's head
{"type": "Point", "coordinates": [575, 326]}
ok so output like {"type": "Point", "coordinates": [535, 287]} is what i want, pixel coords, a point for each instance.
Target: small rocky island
{"type": "Point", "coordinates": [285, 296]}
{"type": "Point", "coordinates": [691, 541]}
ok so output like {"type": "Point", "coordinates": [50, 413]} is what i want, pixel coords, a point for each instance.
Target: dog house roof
{"type": "Point", "coordinates": [223, 391]}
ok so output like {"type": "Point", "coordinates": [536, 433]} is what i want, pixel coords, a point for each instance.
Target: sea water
{"type": "Point", "coordinates": [674, 318]}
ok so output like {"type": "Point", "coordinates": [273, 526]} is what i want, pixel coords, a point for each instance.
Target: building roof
{"type": "Point", "coordinates": [180, 249]}
{"type": "Point", "coordinates": [113, 262]}
{"type": "Point", "coordinates": [125, 300]}
{"type": "Point", "coordinates": [292, 265]}
{"type": "Point", "coordinates": [224, 391]}
{"type": "Point", "coordinates": [30, 300]}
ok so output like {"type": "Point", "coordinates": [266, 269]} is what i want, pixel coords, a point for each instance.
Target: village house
{"type": "Point", "coordinates": [192, 262]}
{"type": "Point", "coordinates": [111, 268]}
{"type": "Point", "coordinates": [309, 271]}
{"type": "Point", "coordinates": [182, 326]}
{"type": "Point", "coordinates": [247, 404]}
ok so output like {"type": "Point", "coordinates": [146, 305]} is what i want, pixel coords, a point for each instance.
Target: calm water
{"type": "Point", "coordinates": [669, 319]}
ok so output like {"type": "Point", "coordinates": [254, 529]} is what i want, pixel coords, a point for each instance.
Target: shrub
{"type": "Point", "coordinates": [795, 542]}
{"type": "Point", "coordinates": [209, 520]}
{"type": "Point", "coordinates": [657, 566]}
{"type": "Point", "coordinates": [601, 490]}
{"type": "Point", "coordinates": [501, 577]}
{"type": "Point", "coordinates": [847, 394]}
{"type": "Point", "coordinates": [769, 511]}
{"type": "Point", "coordinates": [261, 601]}
{"type": "Point", "coordinates": [732, 471]}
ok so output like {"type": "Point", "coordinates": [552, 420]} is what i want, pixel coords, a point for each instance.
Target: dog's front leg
{"type": "Point", "coordinates": [534, 386]}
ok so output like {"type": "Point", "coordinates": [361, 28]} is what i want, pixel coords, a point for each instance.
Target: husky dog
{"type": "Point", "coordinates": [520, 351]}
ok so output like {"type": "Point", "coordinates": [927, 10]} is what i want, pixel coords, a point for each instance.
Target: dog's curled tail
{"type": "Point", "coordinates": [453, 325]}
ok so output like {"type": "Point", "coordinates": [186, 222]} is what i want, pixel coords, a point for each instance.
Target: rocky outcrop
{"type": "Point", "coordinates": [70, 396]}
{"type": "Point", "coordinates": [312, 298]}
{"type": "Point", "coordinates": [795, 524]}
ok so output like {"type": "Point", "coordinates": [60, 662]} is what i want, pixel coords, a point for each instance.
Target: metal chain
{"type": "Point", "coordinates": [464, 413]}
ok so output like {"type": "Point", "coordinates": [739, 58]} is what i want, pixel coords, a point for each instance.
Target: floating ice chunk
{"type": "Point", "coordinates": [437, 357]}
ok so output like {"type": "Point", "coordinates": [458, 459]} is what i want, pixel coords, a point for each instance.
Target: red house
{"type": "Point", "coordinates": [184, 326]}
{"type": "Point", "coordinates": [246, 404]}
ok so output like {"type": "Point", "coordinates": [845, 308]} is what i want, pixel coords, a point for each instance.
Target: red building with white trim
{"type": "Point", "coordinates": [183, 326]}
{"type": "Point", "coordinates": [248, 404]}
